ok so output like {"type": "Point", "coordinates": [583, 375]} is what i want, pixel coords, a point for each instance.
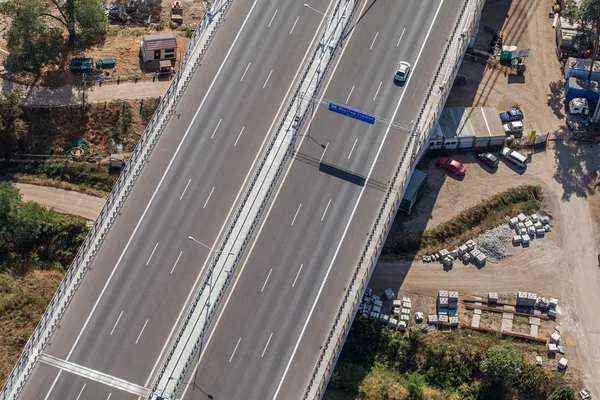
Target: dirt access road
{"type": "Point", "coordinates": [564, 264]}
{"type": "Point", "coordinates": [63, 201]}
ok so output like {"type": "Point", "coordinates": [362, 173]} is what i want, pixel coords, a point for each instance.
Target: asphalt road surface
{"type": "Point", "coordinates": [124, 314]}
{"type": "Point", "coordinates": [267, 336]}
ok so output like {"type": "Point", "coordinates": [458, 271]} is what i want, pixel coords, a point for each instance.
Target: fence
{"type": "Point", "coordinates": [38, 341]}
{"type": "Point", "coordinates": [451, 58]}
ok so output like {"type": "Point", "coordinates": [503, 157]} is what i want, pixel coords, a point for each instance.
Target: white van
{"type": "Point", "coordinates": [514, 156]}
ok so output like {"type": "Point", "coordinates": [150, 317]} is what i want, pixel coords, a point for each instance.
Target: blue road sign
{"type": "Point", "coordinates": [352, 113]}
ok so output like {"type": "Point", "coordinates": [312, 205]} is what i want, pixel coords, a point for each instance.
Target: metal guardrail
{"type": "Point", "coordinates": [42, 334]}
{"type": "Point", "coordinates": [320, 49]}
{"type": "Point", "coordinates": [345, 315]}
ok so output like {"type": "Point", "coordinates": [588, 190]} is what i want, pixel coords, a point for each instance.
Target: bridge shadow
{"type": "Point", "coordinates": [341, 173]}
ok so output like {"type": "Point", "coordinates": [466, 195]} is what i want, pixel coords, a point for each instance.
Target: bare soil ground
{"type": "Point", "coordinates": [63, 201]}
{"type": "Point", "coordinates": [563, 264]}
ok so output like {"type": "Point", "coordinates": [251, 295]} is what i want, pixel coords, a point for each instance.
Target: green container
{"type": "Point", "coordinates": [106, 63]}
{"type": "Point", "coordinates": [79, 65]}
{"type": "Point", "coordinates": [506, 55]}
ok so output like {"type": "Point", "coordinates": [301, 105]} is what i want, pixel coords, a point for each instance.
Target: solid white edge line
{"type": "Point", "coordinates": [377, 92]}
{"type": "Point", "coordinates": [266, 280]}
{"type": "Point", "coordinates": [350, 94]}
{"type": "Point", "coordinates": [236, 346]}
{"type": "Point", "coordinates": [215, 131]}
{"type": "Point", "coordinates": [297, 275]}
{"type": "Point", "coordinates": [239, 136]}
{"type": "Point", "coordinates": [295, 215]}
{"type": "Point", "coordinates": [352, 149]}
{"type": "Point", "coordinates": [326, 208]}
{"type": "Point", "coordinates": [294, 24]}
{"type": "Point", "coordinates": [374, 39]}
{"type": "Point", "coordinates": [323, 155]}
{"type": "Point", "coordinates": [89, 317]}
{"type": "Point", "coordinates": [110, 394]}
{"type": "Point", "coordinates": [118, 319]}
{"type": "Point", "coordinates": [272, 18]}
{"type": "Point", "coordinates": [292, 84]}
{"type": "Point", "coordinates": [176, 261]}
{"type": "Point", "coordinates": [208, 198]}
{"type": "Point", "coordinates": [150, 258]}
{"type": "Point", "coordinates": [81, 391]}
{"type": "Point", "coordinates": [337, 250]}
{"type": "Point", "coordinates": [246, 70]}
{"type": "Point", "coordinates": [399, 40]}
{"type": "Point", "coordinates": [186, 186]}
{"type": "Point", "coordinates": [142, 331]}
{"type": "Point", "coordinates": [267, 79]}
{"type": "Point", "coordinates": [267, 345]}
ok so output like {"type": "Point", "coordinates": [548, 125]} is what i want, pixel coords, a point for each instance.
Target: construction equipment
{"type": "Point", "coordinates": [177, 13]}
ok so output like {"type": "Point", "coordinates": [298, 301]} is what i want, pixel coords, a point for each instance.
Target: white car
{"type": "Point", "coordinates": [402, 71]}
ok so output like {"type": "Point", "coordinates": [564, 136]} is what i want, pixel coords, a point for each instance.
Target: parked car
{"type": "Point", "coordinates": [402, 71]}
{"type": "Point", "coordinates": [450, 164]}
{"type": "Point", "coordinates": [489, 159]}
{"type": "Point", "coordinates": [514, 157]}
{"type": "Point", "coordinates": [515, 127]}
{"type": "Point", "coordinates": [511, 115]}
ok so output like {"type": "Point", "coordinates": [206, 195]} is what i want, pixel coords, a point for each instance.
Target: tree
{"type": "Point", "coordinates": [83, 18]}
{"type": "Point", "coordinates": [502, 364]}
{"type": "Point", "coordinates": [587, 16]}
{"type": "Point", "coordinates": [562, 393]}
{"type": "Point", "coordinates": [31, 42]}
{"type": "Point", "coordinates": [415, 384]}
{"type": "Point", "coordinates": [12, 127]}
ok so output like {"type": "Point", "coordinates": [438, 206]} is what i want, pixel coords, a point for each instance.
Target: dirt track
{"type": "Point", "coordinates": [63, 201]}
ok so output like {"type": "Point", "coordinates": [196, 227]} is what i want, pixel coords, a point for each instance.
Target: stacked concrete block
{"type": "Point", "coordinates": [453, 321]}
{"type": "Point", "coordinates": [463, 249]}
{"type": "Point", "coordinates": [520, 226]}
{"type": "Point", "coordinates": [492, 297]}
{"type": "Point", "coordinates": [531, 299]}
{"type": "Point", "coordinates": [522, 298]}
{"type": "Point", "coordinates": [385, 320]}
{"type": "Point", "coordinates": [551, 348]}
{"type": "Point", "coordinates": [406, 311]}
{"type": "Point", "coordinates": [525, 239]}
{"type": "Point", "coordinates": [443, 311]}
{"type": "Point", "coordinates": [443, 318]}
{"type": "Point", "coordinates": [443, 253]}
{"type": "Point", "coordinates": [531, 231]}
{"type": "Point", "coordinates": [402, 325]}
{"type": "Point", "coordinates": [404, 317]}
{"type": "Point", "coordinates": [562, 363]}
{"type": "Point", "coordinates": [452, 312]}
{"type": "Point", "coordinates": [392, 322]}
{"type": "Point", "coordinates": [538, 225]}
{"type": "Point", "coordinates": [516, 239]}
{"type": "Point", "coordinates": [376, 309]}
{"type": "Point", "coordinates": [521, 217]}
{"type": "Point", "coordinates": [432, 319]}
{"type": "Point", "coordinates": [368, 292]}
{"type": "Point", "coordinates": [374, 316]}
{"type": "Point", "coordinates": [396, 311]}
{"type": "Point", "coordinates": [443, 293]}
{"type": "Point", "coordinates": [555, 338]}
{"type": "Point", "coordinates": [453, 300]}
{"type": "Point", "coordinates": [513, 222]}
{"type": "Point", "coordinates": [545, 220]}
{"type": "Point", "coordinates": [389, 294]}
{"type": "Point", "coordinates": [418, 317]}
{"type": "Point", "coordinates": [466, 257]}
{"type": "Point", "coordinates": [528, 224]}
{"type": "Point", "coordinates": [377, 303]}
{"type": "Point", "coordinates": [470, 244]}
{"type": "Point", "coordinates": [478, 256]}
{"type": "Point", "coordinates": [397, 303]}
{"type": "Point", "coordinates": [534, 218]}
{"type": "Point", "coordinates": [443, 302]}
{"type": "Point", "coordinates": [523, 231]}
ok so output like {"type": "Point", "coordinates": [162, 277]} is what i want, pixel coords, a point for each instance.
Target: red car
{"type": "Point", "coordinates": [452, 165]}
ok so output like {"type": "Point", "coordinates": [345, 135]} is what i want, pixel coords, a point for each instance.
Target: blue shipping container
{"type": "Point", "coordinates": [581, 88]}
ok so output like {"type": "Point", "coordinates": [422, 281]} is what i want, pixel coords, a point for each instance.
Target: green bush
{"type": "Point", "coordinates": [502, 364]}
{"type": "Point", "coordinates": [93, 176]}
{"type": "Point", "coordinates": [415, 384]}
{"type": "Point", "coordinates": [562, 393]}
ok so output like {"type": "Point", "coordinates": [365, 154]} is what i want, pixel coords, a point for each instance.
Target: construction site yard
{"type": "Point", "coordinates": [122, 42]}
{"type": "Point", "coordinates": [562, 265]}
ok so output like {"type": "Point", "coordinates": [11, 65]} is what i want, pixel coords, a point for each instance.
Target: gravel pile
{"type": "Point", "coordinates": [494, 243]}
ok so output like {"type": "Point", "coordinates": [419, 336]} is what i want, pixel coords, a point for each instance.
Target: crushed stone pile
{"type": "Point", "coordinates": [494, 243]}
